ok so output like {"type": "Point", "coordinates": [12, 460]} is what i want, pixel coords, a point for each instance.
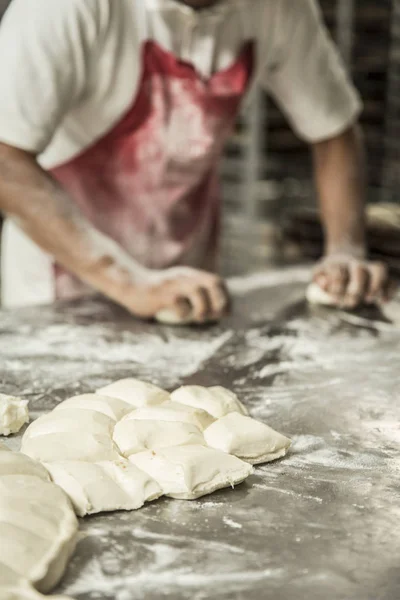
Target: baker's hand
{"type": "Point", "coordinates": [187, 292]}
{"type": "Point", "coordinates": [351, 281]}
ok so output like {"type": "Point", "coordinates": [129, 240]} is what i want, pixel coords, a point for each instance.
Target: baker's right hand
{"type": "Point", "coordinates": [189, 293]}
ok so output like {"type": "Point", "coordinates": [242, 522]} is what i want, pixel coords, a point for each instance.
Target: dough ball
{"type": "Point", "coordinates": [247, 439]}
{"type": "Point", "coordinates": [133, 436]}
{"type": "Point", "coordinates": [216, 400]}
{"type": "Point", "coordinates": [135, 392]}
{"type": "Point", "coordinates": [13, 414]}
{"type": "Point", "coordinates": [102, 487]}
{"type": "Point", "coordinates": [170, 317]}
{"type": "Point", "coordinates": [189, 472]}
{"type": "Point", "coordinates": [316, 295]}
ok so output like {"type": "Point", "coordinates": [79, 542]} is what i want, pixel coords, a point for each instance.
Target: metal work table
{"type": "Point", "coordinates": [321, 524]}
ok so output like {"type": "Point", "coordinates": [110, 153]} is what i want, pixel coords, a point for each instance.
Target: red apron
{"type": "Point", "coordinates": [151, 183]}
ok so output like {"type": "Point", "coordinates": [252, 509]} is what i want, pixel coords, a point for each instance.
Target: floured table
{"type": "Point", "coordinates": [323, 523]}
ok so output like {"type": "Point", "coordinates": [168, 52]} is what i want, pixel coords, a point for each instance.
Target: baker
{"type": "Point", "coordinates": [113, 117]}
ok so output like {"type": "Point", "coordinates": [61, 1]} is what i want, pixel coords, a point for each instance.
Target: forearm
{"type": "Point", "coordinates": [50, 218]}
{"type": "Point", "coordinates": [340, 179]}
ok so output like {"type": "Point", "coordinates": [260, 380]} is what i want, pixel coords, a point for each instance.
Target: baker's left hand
{"type": "Point", "coordinates": [351, 281]}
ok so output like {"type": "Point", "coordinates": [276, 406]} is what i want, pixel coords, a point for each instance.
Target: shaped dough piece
{"type": "Point", "coordinates": [70, 433]}
{"type": "Point", "coordinates": [102, 487]}
{"type": "Point", "coordinates": [216, 400]}
{"type": "Point", "coordinates": [70, 445]}
{"type": "Point", "coordinates": [14, 463]}
{"type": "Point", "coordinates": [174, 411]}
{"type": "Point", "coordinates": [132, 435]}
{"type": "Point", "coordinates": [13, 414]}
{"type": "Point", "coordinates": [110, 407]}
{"type": "Point", "coordinates": [189, 472]}
{"type": "Point", "coordinates": [71, 420]}
{"type": "Point", "coordinates": [316, 295]}
{"type": "Point", "coordinates": [135, 392]}
{"type": "Point", "coordinates": [247, 439]}
{"type": "Point", "coordinates": [40, 527]}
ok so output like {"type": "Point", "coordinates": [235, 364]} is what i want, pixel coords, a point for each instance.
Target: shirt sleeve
{"type": "Point", "coordinates": [44, 47]}
{"type": "Point", "coordinates": [306, 76]}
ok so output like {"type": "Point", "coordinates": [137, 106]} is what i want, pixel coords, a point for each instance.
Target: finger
{"type": "Point", "coordinates": [378, 282]}
{"type": "Point", "coordinates": [183, 308]}
{"type": "Point", "coordinates": [358, 285]}
{"type": "Point", "coordinates": [390, 290]}
{"type": "Point", "coordinates": [228, 300]}
{"type": "Point", "coordinates": [219, 299]}
{"type": "Point", "coordinates": [321, 279]}
{"type": "Point", "coordinates": [200, 303]}
{"type": "Point", "coordinates": [338, 278]}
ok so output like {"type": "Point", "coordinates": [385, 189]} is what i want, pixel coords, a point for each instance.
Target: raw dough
{"type": "Point", "coordinates": [216, 400]}
{"type": "Point", "coordinates": [25, 592]}
{"type": "Point", "coordinates": [13, 414]}
{"type": "Point", "coordinates": [135, 392]}
{"type": "Point", "coordinates": [39, 527]}
{"type": "Point", "coordinates": [106, 486]}
{"type": "Point", "coordinates": [69, 445]}
{"type": "Point", "coordinates": [15, 463]}
{"type": "Point", "coordinates": [247, 439]}
{"type": "Point", "coordinates": [81, 443]}
{"type": "Point", "coordinates": [132, 435]}
{"type": "Point", "coordinates": [316, 295]}
{"type": "Point", "coordinates": [111, 407]}
{"type": "Point", "coordinates": [170, 317]}
{"type": "Point", "coordinates": [174, 411]}
{"type": "Point", "coordinates": [70, 419]}
{"type": "Point", "coordinates": [71, 433]}
{"type": "Point", "coordinates": [189, 472]}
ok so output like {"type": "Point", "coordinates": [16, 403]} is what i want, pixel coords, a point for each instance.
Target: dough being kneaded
{"type": "Point", "coordinates": [316, 295]}
{"type": "Point", "coordinates": [216, 400]}
{"type": "Point", "coordinates": [247, 439]}
{"type": "Point", "coordinates": [189, 472]}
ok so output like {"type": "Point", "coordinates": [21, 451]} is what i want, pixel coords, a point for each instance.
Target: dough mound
{"type": "Point", "coordinates": [13, 414]}
{"type": "Point", "coordinates": [38, 524]}
{"type": "Point", "coordinates": [116, 453]}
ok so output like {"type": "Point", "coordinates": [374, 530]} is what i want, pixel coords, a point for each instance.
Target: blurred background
{"type": "Point", "coordinates": [267, 185]}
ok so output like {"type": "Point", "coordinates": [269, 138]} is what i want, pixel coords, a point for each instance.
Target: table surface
{"type": "Point", "coordinates": [322, 523]}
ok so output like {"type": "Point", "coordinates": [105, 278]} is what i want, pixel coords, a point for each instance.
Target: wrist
{"type": "Point", "coordinates": [357, 251]}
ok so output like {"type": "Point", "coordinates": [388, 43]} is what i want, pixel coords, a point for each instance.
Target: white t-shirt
{"type": "Point", "coordinates": [70, 69]}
